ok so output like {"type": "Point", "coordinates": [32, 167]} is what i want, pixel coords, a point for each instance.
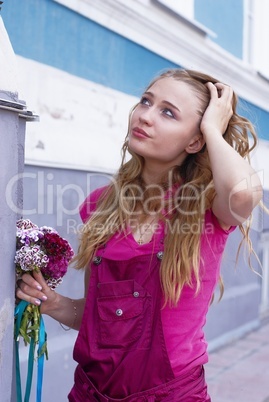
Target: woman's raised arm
{"type": "Point", "coordinates": [238, 187]}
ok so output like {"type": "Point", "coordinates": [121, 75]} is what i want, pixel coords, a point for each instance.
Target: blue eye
{"type": "Point", "coordinates": [144, 101]}
{"type": "Point", "coordinates": [168, 113]}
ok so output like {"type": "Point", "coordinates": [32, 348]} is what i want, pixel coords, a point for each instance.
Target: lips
{"type": "Point", "coordinates": [138, 132]}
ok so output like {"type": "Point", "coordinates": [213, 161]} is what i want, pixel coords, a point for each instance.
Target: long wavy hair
{"type": "Point", "coordinates": [122, 198]}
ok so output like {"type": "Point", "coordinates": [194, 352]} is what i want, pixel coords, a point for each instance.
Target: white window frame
{"type": "Point", "coordinates": [248, 37]}
{"type": "Point", "coordinates": [182, 7]}
{"type": "Point", "coordinates": [256, 32]}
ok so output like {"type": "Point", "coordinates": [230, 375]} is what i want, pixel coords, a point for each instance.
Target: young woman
{"type": "Point", "coordinates": [152, 245]}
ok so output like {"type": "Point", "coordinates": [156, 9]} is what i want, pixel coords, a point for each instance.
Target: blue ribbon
{"type": "Point", "coordinates": [40, 362]}
{"type": "Point", "coordinates": [19, 310]}
{"type": "Point", "coordinates": [18, 374]}
{"type": "Point", "coordinates": [31, 357]}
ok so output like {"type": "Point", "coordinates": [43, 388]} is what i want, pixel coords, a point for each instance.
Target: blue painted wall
{"type": "Point", "coordinates": [225, 18]}
{"type": "Point", "coordinates": [49, 33]}
{"type": "Point", "coordinates": [258, 117]}
{"type": "Point", "coordinates": [45, 31]}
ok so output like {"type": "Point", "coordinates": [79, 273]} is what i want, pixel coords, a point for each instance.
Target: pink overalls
{"type": "Point", "coordinates": [121, 351]}
{"type": "Point", "coordinates": [129, 348]}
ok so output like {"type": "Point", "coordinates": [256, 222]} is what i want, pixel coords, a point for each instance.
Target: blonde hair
{"type": "Point", "coordinates": [122, 198]}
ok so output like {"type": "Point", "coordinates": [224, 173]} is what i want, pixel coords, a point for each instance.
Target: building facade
{"type": "Point", "coordinates": [82, 65]}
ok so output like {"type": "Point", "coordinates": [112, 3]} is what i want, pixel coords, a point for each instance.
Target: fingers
{"type": "Point", "coordinates": [32, 290]}
{"type": "Point", "coordinates": [40, 282]}
{"type": "Point", "coordinates": [220, 90]}
{"type": "Point", "coordinates": [224, 91]}
{"type": "Point", "coordinates": [213, 90]}
{"type": "Point", "coordinates": [219, 111]}
{"type": "Point", "coordinates": [221, 95]}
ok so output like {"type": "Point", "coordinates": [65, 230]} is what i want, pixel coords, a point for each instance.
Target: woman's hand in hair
{"type": "Point", "coordinates": [219, 111]}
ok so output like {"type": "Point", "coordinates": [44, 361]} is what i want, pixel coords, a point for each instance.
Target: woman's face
{"type": "Point", "coordinates": [164, 127]}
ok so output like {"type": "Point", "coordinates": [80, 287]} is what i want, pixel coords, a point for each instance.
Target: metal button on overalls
{"type": "Point", "coordinates": [97, 260]}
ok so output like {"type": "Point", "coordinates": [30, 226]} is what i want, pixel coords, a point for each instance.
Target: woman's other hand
{"type": "Point", "coordinates": [35, 290]}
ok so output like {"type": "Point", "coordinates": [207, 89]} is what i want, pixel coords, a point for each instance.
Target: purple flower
{"type": "Point", "coordinates": [47, 229]}
{"type": "Point", "coordinates": [28, 236]}
{"type": "Point", "coordinates": [25, 224]}
{"type": "Point", "coordinates": [30, 259]}
{"type": "Point", "coordinates": [42, 249]}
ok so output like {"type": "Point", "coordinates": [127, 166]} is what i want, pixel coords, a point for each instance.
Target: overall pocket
{"type": "Point", "coordinates": [124, 315]}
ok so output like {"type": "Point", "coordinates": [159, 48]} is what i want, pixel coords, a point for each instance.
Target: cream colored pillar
{"type": "Point", "coordinates": [13, 117]}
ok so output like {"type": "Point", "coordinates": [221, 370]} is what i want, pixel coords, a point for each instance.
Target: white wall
{"type": "Point", "coordinates": [8, 64]}
{"type": "Point", "coordinates": [82, 124]}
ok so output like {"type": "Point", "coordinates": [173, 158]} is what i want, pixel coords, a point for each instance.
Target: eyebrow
{"type": "Point", "coordinates": [164, 101]}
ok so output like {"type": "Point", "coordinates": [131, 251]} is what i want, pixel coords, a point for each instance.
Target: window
{"type": "Point", "coordinates": [256, 32]}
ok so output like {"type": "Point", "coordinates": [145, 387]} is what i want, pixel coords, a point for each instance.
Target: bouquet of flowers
{"type": "Point", "coordinates": [37, 249]}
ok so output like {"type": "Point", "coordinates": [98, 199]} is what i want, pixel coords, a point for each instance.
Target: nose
{"type": "Point", "coordinates": [146, 116]}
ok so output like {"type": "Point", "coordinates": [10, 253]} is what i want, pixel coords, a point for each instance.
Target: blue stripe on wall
{"type": "Point", "coordinates": [225, 18]}
{"type": "Point", "coordinates": [258, 117]}
{"type": "Point", "coordinates": [45, 31]}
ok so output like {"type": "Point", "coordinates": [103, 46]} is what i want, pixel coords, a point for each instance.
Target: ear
{"type": "Point", "coordinates": [195, 145]}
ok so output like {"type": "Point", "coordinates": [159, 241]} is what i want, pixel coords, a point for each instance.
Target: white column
{"type": "Point", "coordinates": [13, 116]}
